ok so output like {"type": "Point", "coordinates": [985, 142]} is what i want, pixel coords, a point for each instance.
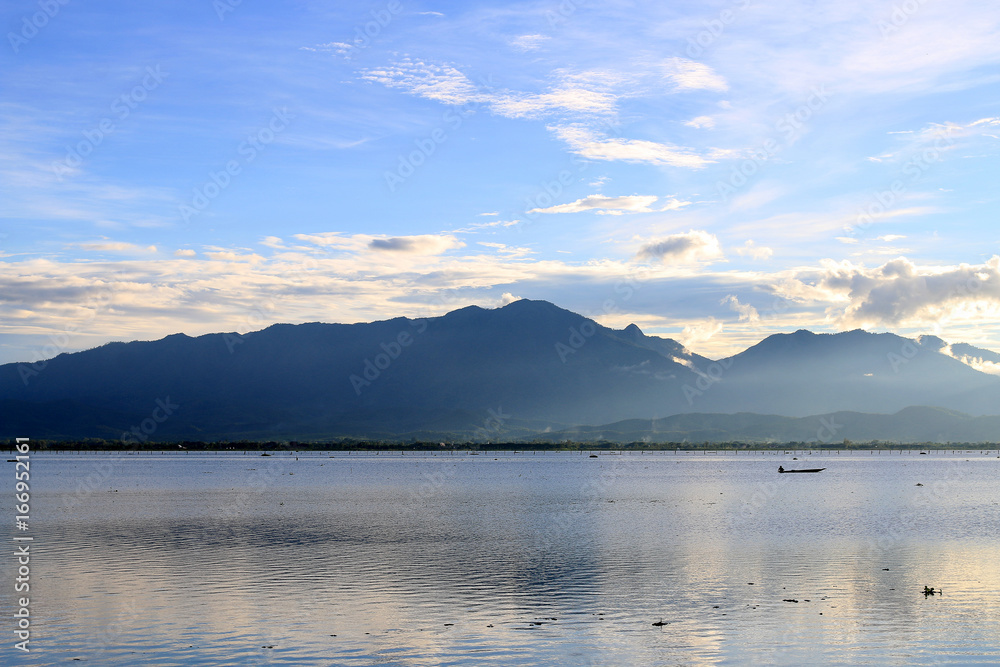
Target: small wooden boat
{"type": "Point", "coordinates": [780, 469]}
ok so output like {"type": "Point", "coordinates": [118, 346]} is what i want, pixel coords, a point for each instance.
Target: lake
{"type": "Point", "coordinates": [337, 558]}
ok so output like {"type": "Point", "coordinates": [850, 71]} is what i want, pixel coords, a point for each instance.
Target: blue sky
{"type": "Point", "coordinates": [713, 172]}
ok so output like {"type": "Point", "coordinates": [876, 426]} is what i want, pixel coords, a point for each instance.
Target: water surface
{"type": "Point", "coordinates": [534, 559]}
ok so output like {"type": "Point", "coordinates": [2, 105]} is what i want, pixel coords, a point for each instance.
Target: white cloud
{"type": "Point", "coordinates": [185, 252]}
{"type": "Point", "coordinates": [980, 364]}
{"type": "Point", "coordinates": [752, 250]}
{"type": "Point", "coordinates": [273, 242]}
{"type": "Point", "coordinates": [528, 42]}
{"type": "Point", "coordinates": [571, 99]}
{"type": "Point", "coordinates": [701, 122]}
{"type": "Point", "coordinates": [889, 238]}
{"type": "Point", "coordinates": [679, 248]}
{"type": "Point", "coordinates": [746, 312]}
{"type": "Point", "coordinates": [690, 75]}
{"type": "Point", "coordinates": [338, 48]}
{"type": "Point", "coordinates": [583, 142]}
{"type": "Point", "coordinates": [604, 205]}
{"type": "Point", "coordinates": [699, 332]}
{"type": "Point", "coordinates": [902, 293]}
{"type": "Point", "coordinates": [233, 256]}
{"type": "Point", "coordinates": [508, 298]}
{"type": "Point", "coordinates": [116, 246]}
{"type": "Point", "coordinates": [674, 204]}
{"type": "Point", "coordinates": [442, 83]}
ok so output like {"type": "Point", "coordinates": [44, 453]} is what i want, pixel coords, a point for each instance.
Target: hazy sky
{"type": "Point", "coordinates": [712, 171]}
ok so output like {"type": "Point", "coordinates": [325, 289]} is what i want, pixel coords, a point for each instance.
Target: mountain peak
{"type": "Point", "coordinates": [633, 330]}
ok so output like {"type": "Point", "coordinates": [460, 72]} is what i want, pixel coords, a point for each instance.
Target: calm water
{"type": "Point", "coordinates": [505, 559]}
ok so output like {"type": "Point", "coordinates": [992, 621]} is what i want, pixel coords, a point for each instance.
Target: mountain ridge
{"type": "Point", "coordinates": [544, 367]}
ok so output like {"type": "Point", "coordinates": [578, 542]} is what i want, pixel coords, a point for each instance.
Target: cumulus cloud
{"type": "Point", "coordinates": [185, 252]}
{"type": "Point", "coordinates": [427, 244]}
{"type": "Point", "coordinates": [752, 250]}
{"type": "Point", "coordinates": [687, 247]}
{"type": "Point", "coordinates": [604, 205]}
{"type": "Point", "coordinates": [508, 298]}
{"type": "Point", "coordinates": [699, 332]}
{"type": "Point", "coordinates": [746, 312]}
{"type": "Point", "coordinates": [901, 292]}
{"type": "Point", "coordinates": [980, 364]}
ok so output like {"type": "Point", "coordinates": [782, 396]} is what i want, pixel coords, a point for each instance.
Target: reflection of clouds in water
{"type": "Point", "coordinates": [398, 546]}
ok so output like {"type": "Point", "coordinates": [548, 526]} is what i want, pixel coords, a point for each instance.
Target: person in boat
{"type": "Point", "coordinates": [781, 469]}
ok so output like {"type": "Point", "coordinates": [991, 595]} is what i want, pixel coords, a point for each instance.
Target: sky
{"type": "Point", "coordinates": [713, 172]}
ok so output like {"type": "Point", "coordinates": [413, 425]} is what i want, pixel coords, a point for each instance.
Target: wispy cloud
{"type": "Point", "coordinates": [752, 250]}
{"type": "Point", "coordinates": [441, 83]}
{"type": "Point", "coordinates": [604, 205]}
{"type": "Point", "coordinates": [116, 246]}
{"type": "Point", "coordinates": [584, 142]}
{"type": "Point", "coordinates": [529, 42]}
{"type": "Point", "coordinates": [690, 75]}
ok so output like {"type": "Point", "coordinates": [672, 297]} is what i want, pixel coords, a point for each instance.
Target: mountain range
{"type": "Point", "coordinates": [527, 370]}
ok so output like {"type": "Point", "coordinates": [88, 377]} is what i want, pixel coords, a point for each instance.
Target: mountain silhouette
{"type": "Point", "coordinates": [527, 368]}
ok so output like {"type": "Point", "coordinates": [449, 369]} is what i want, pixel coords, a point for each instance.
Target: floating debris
{"type": "Point", "coordinates": [790, 600]}
{"type": "Point", "coordinates": [932, 591]}
{"type": "Point", "coordinates": [661, 623]}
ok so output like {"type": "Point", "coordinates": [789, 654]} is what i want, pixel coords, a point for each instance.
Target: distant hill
{"type": "Point", "coordinates": [914, 424]}
{"type": "Point", "coordinates": [527, 368]}
{"type": "Point", "coordinates": [805, 373]}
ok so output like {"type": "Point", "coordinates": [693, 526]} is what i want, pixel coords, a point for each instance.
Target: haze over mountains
{"type": "Point", "coordinates": [529, 369]}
